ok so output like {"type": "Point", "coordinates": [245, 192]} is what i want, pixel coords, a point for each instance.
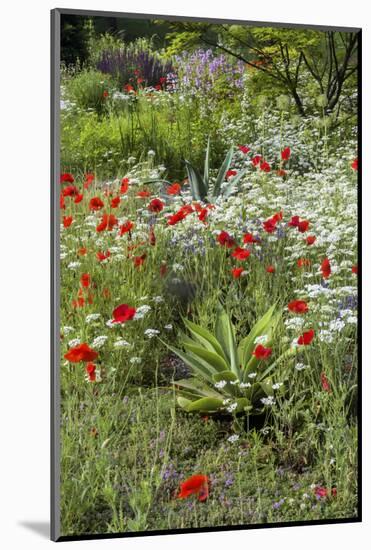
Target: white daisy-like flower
{"type": "Point", "coordinates": [151, 332]}
{"type": "Point", "coordinates": [220, 385]}
{"type": "Point", "coordinates": [268, 401]}
{"type": "Point", "coordinates": [74, 342]}
{"type": "Point", "coordinates": [121, 343]}
{"type": "Point", "coordinates": [92, 317]}
{"type": "Point", "coordinates": [233, 438]}
{"type": "Point", "coordinates": [99, 341]}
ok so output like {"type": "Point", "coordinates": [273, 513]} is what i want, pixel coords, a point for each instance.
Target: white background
{"type": "Point", "coordinates": [24, 231]}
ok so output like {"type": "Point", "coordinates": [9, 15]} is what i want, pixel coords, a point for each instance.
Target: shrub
{"type": "Point", "coordinates": [88, 88]}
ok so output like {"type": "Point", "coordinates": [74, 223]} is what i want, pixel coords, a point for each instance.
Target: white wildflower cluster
{"type": "Point", "coordinates": [75, 342]}
{"type": "Point", "coordinates": [121, 343]}
{"type": "Point", "coordinates": [268, 401]}
{"type": "Point", "coordinates": [99, 341]}
{"type": "Point", "coordinates": [262, 339]}
{"type": "Point", "coordinates": [66, 330]}
{"type": "Point", "coordinates": [142, 312]}
{"type": "Point", "coordinates": [151, 332]}
{"type": "Point", "coordinates": [92, 317]}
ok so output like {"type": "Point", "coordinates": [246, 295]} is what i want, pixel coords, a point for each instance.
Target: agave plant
{"type": "Point", "coordinates": [200, 184]}
{"type": "Point", "coordinates": [227, 378]}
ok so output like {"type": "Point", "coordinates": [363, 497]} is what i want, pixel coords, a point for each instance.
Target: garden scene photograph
{"type": "Point", "coordinates": [208, 274]}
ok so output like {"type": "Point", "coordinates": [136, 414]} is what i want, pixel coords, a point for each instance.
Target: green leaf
{"type": "Point", "coordinates": [198, 368]}
{"type": "Point", "coordinates": [213, 359]}
{"type": "Point", "coordinates": [243, 404]}
{"type": "Point", "coordinates": [227, 375]}
{"type": "Point", "coordinates": [206, 168]}
{"type": "Point", "coordinates": [196, 386]}
{"type": "Point", "coordinates": [183, 402]}
{"type": "Point", "coordinates": [263, 326]}
{"type": "Point", "coordinates": [206, 404]}
{"type": "Point", "coordinates": [196, 182]}
{"type": "Point", "coordinates": [222, 172]}
{"type": "Point", "coordinates": [233, 182]}
{"type": "Point", "coordinates": [205, 337]}
{"type": "Point", "coordinates": [226, 337]}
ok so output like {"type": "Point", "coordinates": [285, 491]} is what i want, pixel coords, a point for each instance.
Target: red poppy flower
{"type": "Point", "coordinates": [163, 269]}
{"type": "Point", "coordinates": [230, 173]}
{"type": "Point", "coordinates": [303, 226]}
{"type": "Point", "coordinates": [128, 88]}
{"type": "Point", "coordinates": [261, 352]}
{"type": "Point", "coordinates": [270, 269]}
{"type": "Point", "coordinates": [325, 383]}
{"type": "Point", "coordinates": [282, 173]}
{"type": "Point", "coordinates": [175, 218]}
{"type": "Point", "coordinates": [90, 370]}
{"type": "Point", "coordinates": [311, 239]}
{"type": "Point", "coordinates": [78, 198]}
{"type": "Point", "coordinates": [302, 262]}
{"type": "Point", "coordinates": [62, 203]}
{"type": "Point", "coordinates": [256, 160]}
{"type": "Point", "coordinates": [264, 166]}
{"type": "Point", "coordinates": [354, 164]}
{"type": "Point", "coordinates": [82, 251]}
{"type": "Point", "coordinates": [294, 222]}
{"type": "Point", "coordinates": [152, 236]}
{"type": "Point", "coordinates": [103, 255]}
{"type": "Point", "coordinates": [162, 79]}
{"type": "Point", "coordinates": [326, 268]}
{"type": "Point", "coordinates": [126, 227]}
{"type": "Point", "coordinates": [143, 194]}
{"type": "Point", "coordinates": [67, 178]}
{"type": "Point", "coordinates": [67, 220]}
{"type": "Point", "coordinates": [187, 209]}
{"type": "Point", "coordinates": [70, 191]}
{"type": "Point", "coordinates": [85, 280]}
{"type": "Point", "coordinates": [244, 149]}
{"type": "Point", "coordinates": [156, 205]}
{"type": "Point", "coordinates": [241, 253]}
{"type": "Point", "coordinates": [249, 238]}
{"type": "Point", "coordinates": [306, 338]}
{"type": "Point", "coordinates": [355, 269]}
{"type": "Point", "coordinates": [105, 94]}
{"type": "Point", "coordinates": [115, 202]}
{"type": "Point", "coordinates": [123, 313]}
{"type": "Point", "coordinates": [80, 302]}
{"type": "Point", "coordinates": [237, 272]}
{"type": "Point", "coordinates": [278, 216]}
{"type": "Point", "coordinates": [298, 306]}
{"type": "Point", "coordinates": [89, 178]}
{"type": "Point", "coordinates": [139, 260]}
{"type": "Point", "coordinates": [320, 492]}
{"type": "Point", "coordinates": [124, 186]}
{"type": "Point", "coordinates": [195, 485]}
{"type": "Point", "coordinates": [81, 352]}
{"type": "Point", "coordinates": [224, 239]}
{"type": "Point", "coordinates": [204, 212]}
{"type": "Point", "coordinates": [107, 222]}
{"type": "Point", "coordinates": [174, 189]}
{"type": "Point", "coordinates": [286, 154]}
{"type": "Point", "coordinates": [95, 204]}
{"type": "Point", "coordinates": [270, 225]}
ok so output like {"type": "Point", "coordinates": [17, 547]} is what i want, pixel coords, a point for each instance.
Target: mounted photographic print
{"type": "Point", "coordinates": [205, 194]}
